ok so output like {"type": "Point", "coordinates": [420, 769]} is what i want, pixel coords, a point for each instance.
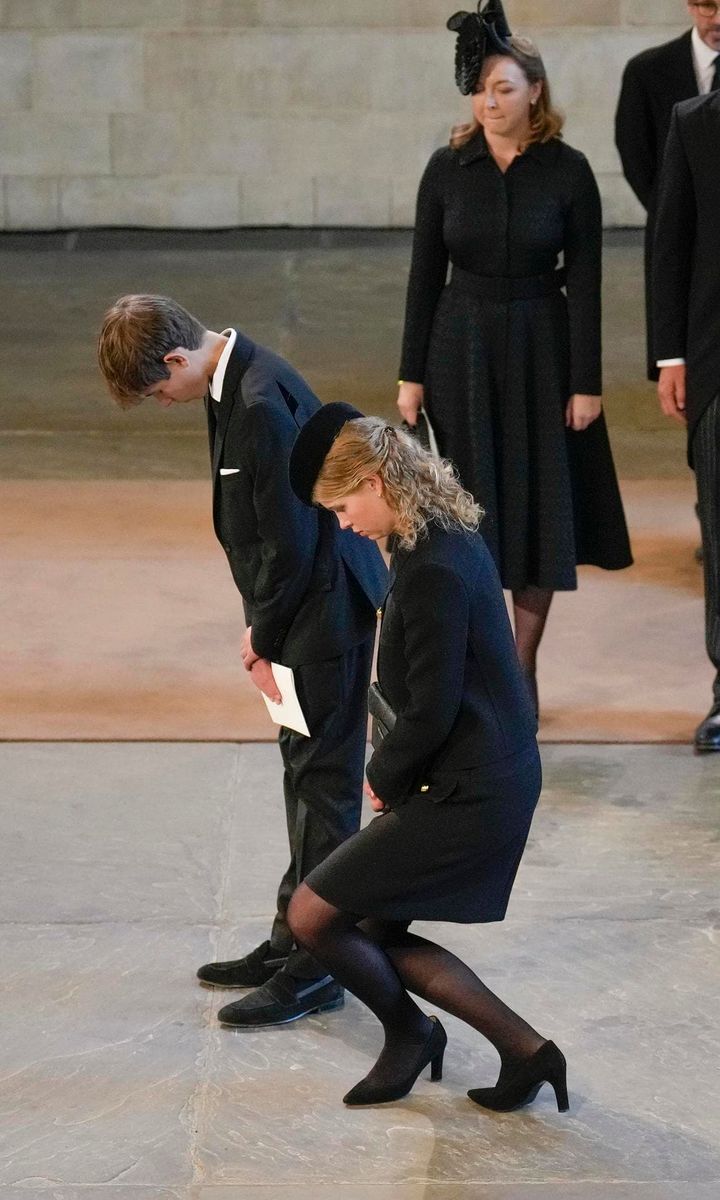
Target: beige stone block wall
{"type": "Point", "coordinates": [168, 200]}
{"type": "Point", "coordinates": [34, 143]}
{"type": "Point", "coordinates": [15, 71]}
{"type": "Point", "coordinates": [32, 203]}
{"type": "Point", "coordinates": [659, 12]}
{"type": "Point", "coordinates": [265, 112]}
{"type": "Point", "coordinates": [88, 73]}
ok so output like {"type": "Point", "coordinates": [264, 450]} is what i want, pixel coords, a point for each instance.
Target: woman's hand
{"type": "Point", "coordinates": [582, 411]}
{"type": "Point", "coordinates": [409, 401]}
{"type": "Point", "coordinates": [375, 802]}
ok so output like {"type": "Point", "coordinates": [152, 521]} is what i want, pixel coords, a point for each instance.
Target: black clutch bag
{"type": "Point", "coordinates": [383, 717]}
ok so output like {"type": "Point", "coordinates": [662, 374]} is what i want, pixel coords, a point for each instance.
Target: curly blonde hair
{"type": "Point", "coordinates": [418, 487]}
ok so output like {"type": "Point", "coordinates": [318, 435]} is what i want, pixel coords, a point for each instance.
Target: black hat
{"type": "Point", "coordinates": [313, 443]}
{"type": "Point", "coordinates": [480, 34]}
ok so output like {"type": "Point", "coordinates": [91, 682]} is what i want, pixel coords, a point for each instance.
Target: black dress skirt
{"type": "Point", "coordinates": [503, 346]}
{"type": "Point", "coordinates": [437, 862]}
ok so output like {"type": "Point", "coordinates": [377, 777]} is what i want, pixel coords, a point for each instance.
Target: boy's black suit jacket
{"type": "Point", "coordinates": [686, 276]}
{"type": "Point", "coordinates": [310, 591]}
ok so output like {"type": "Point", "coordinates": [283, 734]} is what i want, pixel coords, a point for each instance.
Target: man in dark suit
{"type": "Point", "coordinates": [686, 314]}
{"type": "Point", "coordinates": [310, 594]}
{"type": "Point", "coordinates": [653, 82]}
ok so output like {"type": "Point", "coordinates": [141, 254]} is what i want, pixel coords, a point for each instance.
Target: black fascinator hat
{"type": "Point", "coordinates": [480, 34]}
{"type": "Point", "coordinates": [313, 443]}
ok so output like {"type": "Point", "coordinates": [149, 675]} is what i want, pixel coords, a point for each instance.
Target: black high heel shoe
{"type": "Point", "coordinates": [368, 1092]}
{"type": "Point", "coordinates": [547, 1065]}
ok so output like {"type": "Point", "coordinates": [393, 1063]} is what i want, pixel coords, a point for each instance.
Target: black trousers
{"type": "Point", "coordinates": [323, 779]}
{"type": "Point", "coordinates": [706, 460]}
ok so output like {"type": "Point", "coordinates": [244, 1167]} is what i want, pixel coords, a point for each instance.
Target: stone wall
{"type": "Point", "coordinates": [211, 113]}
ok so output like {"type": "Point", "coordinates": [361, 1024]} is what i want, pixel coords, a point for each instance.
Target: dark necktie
{"type": "Point", "coordinates": [716, 77]}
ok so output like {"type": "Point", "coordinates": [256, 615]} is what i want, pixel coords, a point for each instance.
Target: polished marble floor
{"type": "Point", "coordinates": [122, 867]}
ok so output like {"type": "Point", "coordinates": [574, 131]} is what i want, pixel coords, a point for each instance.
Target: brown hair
{"type": "Point", "coordinates": [545, 120]}
{"type": "Point", "coordinates": [418, 487]}
{"type": "Point", "coordinates": [137, 333]}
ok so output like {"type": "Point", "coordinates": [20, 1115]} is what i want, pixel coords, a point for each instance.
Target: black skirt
{"type": "Point", "coordinates": [429, 861]}
{"type": "Point", "coordinates": [496, 391]}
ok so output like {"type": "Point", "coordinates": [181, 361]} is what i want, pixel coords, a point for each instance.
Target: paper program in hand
{"type": "Point", "coordinates": [288, 712]}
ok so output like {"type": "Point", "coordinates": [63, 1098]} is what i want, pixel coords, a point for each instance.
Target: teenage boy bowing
{"type": "Point", "coordinates": [310, 594]}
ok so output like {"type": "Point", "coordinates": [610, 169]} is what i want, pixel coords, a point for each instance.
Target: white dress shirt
{"type": "Point", "coordinates": [703, 62]}
{"type": "Point", "coordinates": [704, 65]}
{"type": "Point", "coordinates": [218, 379]}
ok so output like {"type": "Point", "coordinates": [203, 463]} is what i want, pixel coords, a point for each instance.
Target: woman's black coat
{"type": "Point", "coordinates": [448, 666]}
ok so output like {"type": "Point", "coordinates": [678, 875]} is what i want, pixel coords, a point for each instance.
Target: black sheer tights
{"type": "Point", "coordinates": [379, 962]}
{"type": "Point", "coordinates": [530, 612]}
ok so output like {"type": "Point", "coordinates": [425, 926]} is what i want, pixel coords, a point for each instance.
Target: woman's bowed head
{"type": "Point", "coordinates": [506, 78]}
{"type": "Point", "coordinates": [376, 478]}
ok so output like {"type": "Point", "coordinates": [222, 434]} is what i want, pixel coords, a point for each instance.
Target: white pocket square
{"type": "Point", "coordinates": [229, 470]}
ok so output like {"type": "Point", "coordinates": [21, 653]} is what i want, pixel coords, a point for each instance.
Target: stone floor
{"type": "Point", "coordinates": [124, 867]}
{"type": "Point", "coordinates": [140, 638]}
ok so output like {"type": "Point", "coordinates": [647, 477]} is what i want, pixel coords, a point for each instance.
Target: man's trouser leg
{"type": "Point", "coordinates": [706, 460]}
{"type": "Point", "coordinates": [323, 778]}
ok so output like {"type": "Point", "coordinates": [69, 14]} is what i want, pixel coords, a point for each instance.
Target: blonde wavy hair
{"type": "Point", "coordinates": [546, 121]}
{"type": "Point", "coordinates": [418, 487]}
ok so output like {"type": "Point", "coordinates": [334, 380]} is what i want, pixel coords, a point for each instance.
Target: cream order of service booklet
{"type": "Point", "coordinates": [288, 712]}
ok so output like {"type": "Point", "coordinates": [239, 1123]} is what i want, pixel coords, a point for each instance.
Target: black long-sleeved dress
{"type": "Point", "coordinates": [502, 347]}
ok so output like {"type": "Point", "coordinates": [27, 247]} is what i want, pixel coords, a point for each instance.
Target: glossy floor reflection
{"type": "Point", "coordinates": [125, 866]}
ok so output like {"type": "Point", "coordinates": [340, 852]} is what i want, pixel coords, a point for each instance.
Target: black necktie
{"type": "Point", "coordinates": [716, 76]}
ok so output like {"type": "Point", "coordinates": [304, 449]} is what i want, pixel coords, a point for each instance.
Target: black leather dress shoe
{"type": "Point", "coordinates": [284, 998]}
{"type": "Point", "coordinates": [251, 971]}
{"type": "Point", "coordinates": [707, 734]}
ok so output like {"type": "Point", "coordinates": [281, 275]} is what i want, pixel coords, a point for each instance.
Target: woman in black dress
{"type": "Point", "coordinates": [456, 779]}
{"type": "Point", "coordinates": [506, 363]}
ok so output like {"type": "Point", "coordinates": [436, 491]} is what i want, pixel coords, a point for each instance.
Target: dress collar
{"type": "Point", "coordinates": [477, 147]}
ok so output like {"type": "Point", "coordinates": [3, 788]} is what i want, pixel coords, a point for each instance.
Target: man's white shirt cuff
{"type": "Point", "coordinates": [670, 362]}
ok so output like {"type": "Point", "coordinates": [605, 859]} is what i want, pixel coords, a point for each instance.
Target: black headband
{"type": "Point", "coordinates": [313, 443]}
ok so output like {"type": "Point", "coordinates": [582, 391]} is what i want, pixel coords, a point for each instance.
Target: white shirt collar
{"type": "Point", "coordinates": [703, 61]}
{"type": "Point", "coordinates": [218, 379]}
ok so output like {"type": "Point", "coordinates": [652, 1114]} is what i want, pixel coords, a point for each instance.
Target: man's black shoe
{"type": "Point", "coordinates": [251, 971]}
{"type": "Point", "coordinates": [284, 998]}
{"type": "Point", "coordinates": [707, 734]}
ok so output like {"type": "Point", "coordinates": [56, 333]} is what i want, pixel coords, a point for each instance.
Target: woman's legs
{"type": "Point", "coordinates": [435, 974]}
{"type": "Point", "coordinates": [361, 965]}
{"type": "Point", "coordinates": [380, 960]}
{"type": "Point", "coordinates": [530, 609]}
